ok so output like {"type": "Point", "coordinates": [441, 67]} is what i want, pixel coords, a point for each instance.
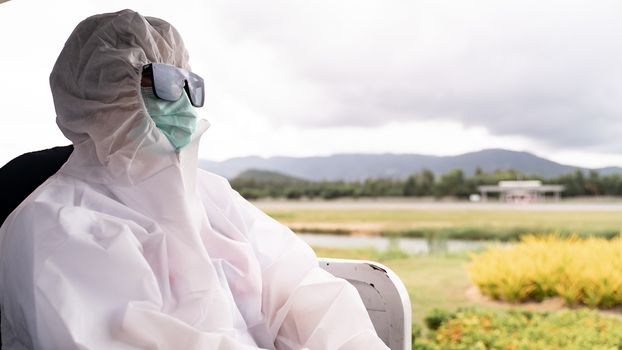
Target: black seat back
{"type": "Point", "coordinates": [22, 175]}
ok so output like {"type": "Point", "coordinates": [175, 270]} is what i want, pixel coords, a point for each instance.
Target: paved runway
{"type": "Point", "coordinates": [431, 205]}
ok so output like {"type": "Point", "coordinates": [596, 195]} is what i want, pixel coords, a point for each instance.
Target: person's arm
{"type": "Point", "coordinates": [306, 307]}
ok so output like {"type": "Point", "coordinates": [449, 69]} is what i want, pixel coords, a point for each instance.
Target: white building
{"type": "Point", "coordinates": [522, 191]}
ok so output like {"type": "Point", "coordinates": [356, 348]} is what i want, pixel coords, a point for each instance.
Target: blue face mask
{"type": "Point", "coordinates": [177, 120]}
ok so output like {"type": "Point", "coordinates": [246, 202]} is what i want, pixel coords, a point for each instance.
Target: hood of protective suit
{"type": "Point", "coordinates": [96, 88]}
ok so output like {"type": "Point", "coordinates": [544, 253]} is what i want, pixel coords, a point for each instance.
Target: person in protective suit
{"type": "Point", "coordinates": [129, 245]}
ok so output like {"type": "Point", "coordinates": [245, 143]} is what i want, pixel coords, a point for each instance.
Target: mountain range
{"type": "Point", "coordinates": [350, 167]}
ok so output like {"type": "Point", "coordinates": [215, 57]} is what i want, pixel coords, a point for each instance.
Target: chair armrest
{"type": "Point", "coordinates": [383, 294]}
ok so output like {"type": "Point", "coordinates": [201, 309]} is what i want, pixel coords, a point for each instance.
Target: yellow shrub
{"type": "Point", "coordinates": [581, 271]}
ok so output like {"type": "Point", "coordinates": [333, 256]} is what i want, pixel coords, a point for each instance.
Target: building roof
{"type": "Point", "coordinates": [533, 186]}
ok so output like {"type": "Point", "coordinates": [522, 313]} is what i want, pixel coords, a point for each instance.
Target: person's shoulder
{"type": "Point", "coordinates": [59, 202]}
{"type": "Point", "coordinates": [216, 189]}
{"type": "Point", "coordinates": [50, 223]}
{"type": "Point", "coordinates": [38, 223]}
{"type": "Point", "coordinates": [209, 179]}
{"type": "Point", "coordinates": [39, 213]}
{"type": "Point", "coordinates": [206, 174]}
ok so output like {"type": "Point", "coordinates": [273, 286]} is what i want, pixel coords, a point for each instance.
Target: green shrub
{"type": "Point", "coordinates": [579, 270]}
{"type": "Point", "coordinates": [436, 318]}
{"type": "Point", "coordinates": [521, 330]}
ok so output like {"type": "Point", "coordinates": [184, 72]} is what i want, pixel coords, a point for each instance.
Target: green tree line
{"type": "Point", "coordinates": [423, 184]}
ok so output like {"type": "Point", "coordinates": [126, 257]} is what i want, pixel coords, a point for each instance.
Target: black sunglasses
{"type": "Point", "coordinates": [169, 82]}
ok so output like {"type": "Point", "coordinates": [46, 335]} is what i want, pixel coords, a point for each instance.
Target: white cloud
{"type": "Point", "coordinates": [304, 78]}
{"type": "Point", "coordinates": [440, 138]}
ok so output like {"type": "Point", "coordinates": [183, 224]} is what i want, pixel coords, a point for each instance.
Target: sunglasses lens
{"type": "Point", "coordinates": [196, 89]}
{"type": "Point", "coordinates": [168, 82]}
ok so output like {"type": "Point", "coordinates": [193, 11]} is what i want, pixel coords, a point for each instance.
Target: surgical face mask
{"type": "Point", "coordinates": [177, 120]}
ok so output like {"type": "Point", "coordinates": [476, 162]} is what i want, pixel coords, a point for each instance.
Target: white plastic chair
{"type": "Point", "coordinates": [384, 296]}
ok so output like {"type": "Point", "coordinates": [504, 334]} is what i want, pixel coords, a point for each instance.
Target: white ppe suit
{"type": "Point", "coordinates": [131, 246]}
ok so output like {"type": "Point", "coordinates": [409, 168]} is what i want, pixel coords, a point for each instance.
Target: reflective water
{"type": "Point", "coordinates": [408, 245]}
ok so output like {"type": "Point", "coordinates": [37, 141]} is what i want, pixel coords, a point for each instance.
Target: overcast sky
{"type": "Point", "coordinates": [322, 77]}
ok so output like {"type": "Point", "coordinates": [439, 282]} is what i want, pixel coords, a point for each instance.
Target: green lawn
{"type": "Point", "coordinates": [454, 223]}
{"type": "Point", "coordinates": [431, 281]}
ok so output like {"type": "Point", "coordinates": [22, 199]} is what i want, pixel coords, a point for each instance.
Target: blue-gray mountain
{"type": "Point", "coordinates": [361, 166]}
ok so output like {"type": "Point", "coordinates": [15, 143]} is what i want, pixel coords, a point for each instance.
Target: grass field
{"type": "Point", "coordinates": [431, 281]}
{"type": "Point", "coordinates": [502, 224]}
